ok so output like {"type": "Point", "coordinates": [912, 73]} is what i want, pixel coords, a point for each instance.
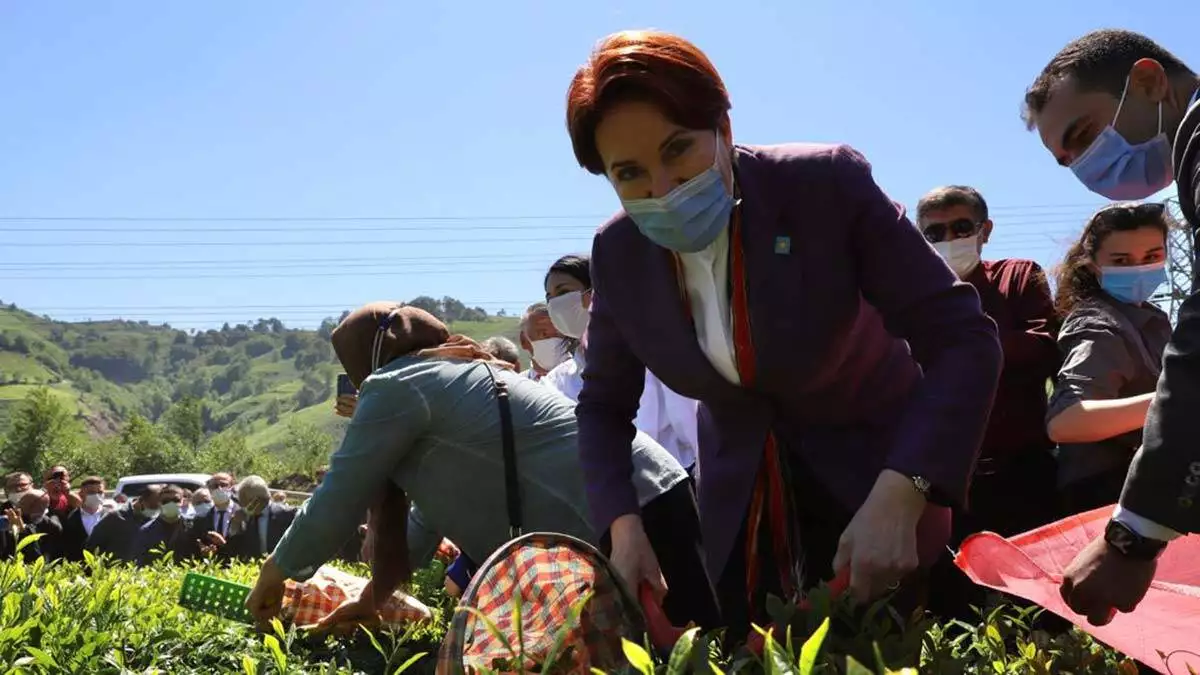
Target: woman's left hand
{"type": "Point", "coordinates": [880, 544]}
{"type": "Point", "coordinates": [266, 599]}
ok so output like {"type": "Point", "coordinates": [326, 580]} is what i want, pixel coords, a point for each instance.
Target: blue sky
{"type": "Point", "coordinates": [327, 110]}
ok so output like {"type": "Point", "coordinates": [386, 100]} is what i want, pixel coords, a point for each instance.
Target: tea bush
{"type": "Point", "coordinates": [103, 618]}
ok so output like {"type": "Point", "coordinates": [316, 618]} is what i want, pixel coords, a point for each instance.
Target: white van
{"type": "Point", "coordinates": [134, 486]}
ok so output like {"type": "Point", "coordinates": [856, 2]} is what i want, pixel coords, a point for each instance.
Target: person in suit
{"type": "Point", "coordinates": [844, 373]}
{"type": "Point", "coordinates": [33, 516]}
{"type": "Point", "coordinates": [116, 534]}
{"type": "Point", "coordinates": [218, 515]}
{"type": "Point", "coordinates": [83, 521]}
{"type": "Point", "coordinates": [259, 524]}
{"type": "Point", "coordinates": [168, 532]}
{"type": "Point", "coordinates": [1123, 113]}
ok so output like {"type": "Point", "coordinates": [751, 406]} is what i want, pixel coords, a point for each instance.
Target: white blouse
{"type": "Point", "coordinates": [706, 277]}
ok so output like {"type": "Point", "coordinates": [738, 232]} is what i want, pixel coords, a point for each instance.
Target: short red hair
{"type": "Point", "coordinates": [659, 68]}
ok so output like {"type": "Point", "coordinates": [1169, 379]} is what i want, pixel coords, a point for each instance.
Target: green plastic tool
{"type": "Point", "coordinates": [215, 596]}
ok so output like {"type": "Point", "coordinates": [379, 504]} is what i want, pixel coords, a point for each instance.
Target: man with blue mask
{"type": "Point", "coordinates": [1123, 114]}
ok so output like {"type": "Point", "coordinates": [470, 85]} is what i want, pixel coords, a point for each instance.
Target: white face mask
{"type": "Point", "coordinates": [962, 255]}
{"type": "Point", "coordinates": [93, 502]}
{"type": "Point", "coordinates": [549, 352]}
{"type": "Point", "coordinates": [149, 514]}
{"type": "Point", "coordinates": [220, 497]}
{"type": "Point", "coordinates": [202, 509]}
{"type": "Point", "coordinates": [170, 511]}
{"type": "Point", "coordinates": [568, 314]}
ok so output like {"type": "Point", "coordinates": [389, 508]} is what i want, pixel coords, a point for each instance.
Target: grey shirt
{"type": "Point", "coordinates": [432, 427]}
{"type": "Point", "coordinates": [1111, 350]}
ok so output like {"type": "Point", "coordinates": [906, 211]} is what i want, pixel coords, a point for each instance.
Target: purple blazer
{"type": "Point", "coordinates": [871, 354]}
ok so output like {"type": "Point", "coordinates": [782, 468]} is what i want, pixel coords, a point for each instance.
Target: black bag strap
{"type": "Point", "coordinates": [512, 484]}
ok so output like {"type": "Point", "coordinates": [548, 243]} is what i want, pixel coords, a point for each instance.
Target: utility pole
{"type": "Point", "coordinates": [1181, 269]}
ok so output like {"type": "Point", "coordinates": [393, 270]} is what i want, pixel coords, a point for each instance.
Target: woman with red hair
{"type": "Point", "coordinates": [844, 375]}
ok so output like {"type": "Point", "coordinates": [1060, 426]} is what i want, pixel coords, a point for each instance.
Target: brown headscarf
{"type": "Point", "coordinates": [379, 332]}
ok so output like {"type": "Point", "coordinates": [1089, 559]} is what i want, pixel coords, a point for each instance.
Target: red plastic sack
{"type": "Point", "coordinates": [1164, 632]}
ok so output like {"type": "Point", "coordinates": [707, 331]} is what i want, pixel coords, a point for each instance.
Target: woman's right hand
{"type": "Point", "coordinates": [345, 405]}
{"type": "Point", "coordinates": [633, 556]}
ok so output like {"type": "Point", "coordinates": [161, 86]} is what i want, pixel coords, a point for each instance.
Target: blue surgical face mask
{"type": "Point", "coordinates": [1133, 285]}
{"type": "Point", "coordinates": [1117, 169]}
{"type": "Point", "coordinates": [688, 218]}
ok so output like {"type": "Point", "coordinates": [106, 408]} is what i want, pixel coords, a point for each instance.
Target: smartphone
{"type": "Point", "coordinates": [344, 387]}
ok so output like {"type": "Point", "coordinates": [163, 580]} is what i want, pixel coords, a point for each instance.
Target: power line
{"type": "Point", "coordinates": [256, 261]}
{"type": "Point", "coordinates": [341, 228]}
{"type": "Point", "coordinates": [1040, 219]}
{"type": "Point", "coordinates": [314, 242]}
{"type": "Point", "coordinates": [341, 273]}
{"type": "Point", "coordinates": [354, 263]}
{"type": "Point", "coordinates": [356, 267]}
{"type": "Point", "coordinates": [127, 308]}
{"type": "Point", "coordinates": [382, 218]}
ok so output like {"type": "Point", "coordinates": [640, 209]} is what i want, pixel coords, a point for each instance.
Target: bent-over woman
{"type": "Point", "coordinates": [844, 374]}
{"type": "Point", "coordinates": [426, 431]}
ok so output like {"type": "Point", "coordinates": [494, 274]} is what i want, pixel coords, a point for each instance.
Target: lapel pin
{"type": "Point", "coordinates": [783, 245]}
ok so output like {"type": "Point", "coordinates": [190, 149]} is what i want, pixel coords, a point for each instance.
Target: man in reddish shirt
{"type": "Point", "coordinates": [1014, 484]}
{"type": "Point", "coordinates": [1013, 489]}
{"type": "Point", "coordinates": [58, 487]}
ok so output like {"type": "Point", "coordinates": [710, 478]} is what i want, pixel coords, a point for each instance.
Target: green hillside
{"type": "Point", "coordinates": [256, 378]}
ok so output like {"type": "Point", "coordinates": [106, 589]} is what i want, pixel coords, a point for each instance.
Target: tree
{"type": "Point", "coordinates": [43, 428]}
{"type": "Point", "coordinates": [153, 451]}
{"type": "Point", "coordinates": [453, 309]}
{"type": "Point", "coordinates": [428, 304]}
{"type": "Point", "coordinates": [259, 345]}
{"type": "Point", "coordinates": [185, 420]}
{"type": "Point", "coordinates": [325, 331]}
{"type": "Point", "coordinates": [307, 447]}
{"type": "Point", "coordinates": [228, 452]}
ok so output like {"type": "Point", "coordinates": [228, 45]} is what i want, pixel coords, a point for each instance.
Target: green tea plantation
{"type": "Point", "coordinates": [101, 618]}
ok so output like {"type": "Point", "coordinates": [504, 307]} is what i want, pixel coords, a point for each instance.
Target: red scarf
{"type": "Point", "coordinates": [770, 494]}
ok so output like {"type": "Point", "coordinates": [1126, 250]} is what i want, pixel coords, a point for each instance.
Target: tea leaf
{"type": "Point", "coordinates": [681, 653]}
{"type": "Point", "coordinates": [637, 657]}
{"type": "Point", "coordinates": [409, 663]}
{"type": "Point", "coordinates": [812, 648]}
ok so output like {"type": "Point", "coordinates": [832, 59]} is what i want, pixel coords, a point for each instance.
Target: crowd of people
{"type": "Point", "coordinates": [225, 520]}
{"type": "Point", "coordinates": [765, 374]}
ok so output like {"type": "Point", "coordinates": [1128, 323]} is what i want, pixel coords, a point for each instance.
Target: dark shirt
{"type": "Point", "coordinates": [158, 537]}
{"type": "Point", "coordinates": [1014, 293]}
{"type": "Point", "coordinates": [48, 547]}
{"type": "Point", "coordinates": [1111, 350]}
{"type": "Point", "coordinates": [116, 534]}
